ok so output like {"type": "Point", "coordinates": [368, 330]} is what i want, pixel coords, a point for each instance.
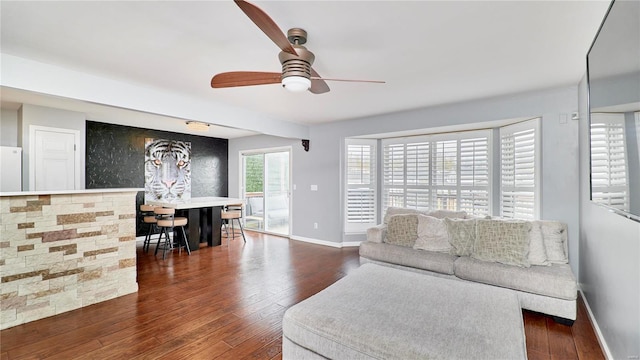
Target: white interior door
{"type": "Point", "coordinates": [53, 159]}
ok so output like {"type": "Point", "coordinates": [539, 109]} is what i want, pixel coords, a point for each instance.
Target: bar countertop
{"type": "Point", "coordinates": [197, 202]}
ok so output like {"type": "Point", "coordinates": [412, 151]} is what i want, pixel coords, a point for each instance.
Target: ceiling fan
{"type": "Point", "coordinates": [297, 74]}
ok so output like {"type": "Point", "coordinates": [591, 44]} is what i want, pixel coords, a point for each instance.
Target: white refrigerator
{"type": "Point", "coordinates": [10, 169]}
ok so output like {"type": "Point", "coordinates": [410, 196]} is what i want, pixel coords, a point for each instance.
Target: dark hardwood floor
{"type": "Point", "coordinates": [227, 302]}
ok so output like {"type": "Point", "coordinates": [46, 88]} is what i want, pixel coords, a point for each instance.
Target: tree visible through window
{"type": "Point", "coordinates": [254, 176]}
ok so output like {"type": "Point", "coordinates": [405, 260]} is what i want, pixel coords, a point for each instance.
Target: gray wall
{"type": "Point", "coordinates": [8, 127]}
{"type": "Point", "coordinates": [299, 158]}
{"type": "Point", "coordinates": [633, 161]}
{"type": "Point", "coordinates": [609, 260]}
{"type": "Point", "coordinates": [322, 165]}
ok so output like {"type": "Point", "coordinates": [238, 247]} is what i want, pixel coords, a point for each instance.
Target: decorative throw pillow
{"type": "Point", "coordinates": [554, 234]}
{"type": "Point", "coordinates": [441, 214]}
{"type": "Point", "coordinates": [506, 242]}
{"type": "Point", "coordinates": [402, 230]}
{"type": "Point", "coordinates": [391, 211]}
{"type": "Point", "coordinates": [537, 252]}
{"type": "Point", "coordinates": [432, 234]}
{"type": "Point", "coordinates": [462, 235]}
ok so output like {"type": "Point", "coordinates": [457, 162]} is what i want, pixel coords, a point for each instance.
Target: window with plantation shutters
{"type": "Point", "coordinates": [361, 185]}
{"type": "Point", "coordinates": [444, 168]}
{"type": "Point", "coordinates": [394, 175]}
{"type": "Point", "coordinates": [444, 171]}
{"type": "Point", "coordinates": [609, 173]}
{"type": "Point", "coordinates": [474, 175]}
{"type": "Point", "coordinates": [519, 164]}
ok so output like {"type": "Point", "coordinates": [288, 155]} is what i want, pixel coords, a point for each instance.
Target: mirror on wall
{"type": "Point", "coordinates": [613, 73]}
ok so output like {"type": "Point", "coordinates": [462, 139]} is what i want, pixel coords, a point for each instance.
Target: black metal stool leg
{"type": "Point", "coordinates": [226, 227]}
{"type": "Point", "coordinates": [147, 239]}
{"type": "Point", "coordinates": [158, 243]}
{"type": "Point", "coordinates": [168, 244]}
{"type": "Point", "coordinates": [242, 231]}
{"type": "Point", "coordinates": [184, 238]}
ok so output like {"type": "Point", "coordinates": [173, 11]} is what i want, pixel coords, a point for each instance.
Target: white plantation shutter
{"type": "Point", "coordinates": [474, 175]}
{"type": "Point", "coordinates": [609, 173]}
{"type": "Point", "coordinates": [445, 171]}
{"type": "Point", "coordinates": [361, 185]}
{"type": "Point", "coordinates": [394, 175]}
{"type": "Point", "coordinates": [418, 198]}
{"type": "Point", "coordinates": [418, 163]}
{"type": "Point", "coordinates": [519, 145]}
{"type": "Point", "coordinates": [418, 195]}
{"type": "Point", "coordinates": [445, 174]}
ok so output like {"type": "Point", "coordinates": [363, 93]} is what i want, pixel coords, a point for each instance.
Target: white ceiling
{"type": "Point", "coordinates": [428, 52]}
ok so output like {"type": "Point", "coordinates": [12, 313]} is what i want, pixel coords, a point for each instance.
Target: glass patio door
{"type": "Point", "coordinates": [266, 190]}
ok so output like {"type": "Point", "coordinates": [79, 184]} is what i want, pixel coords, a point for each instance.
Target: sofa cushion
{"type": "Point", "coordinates": [432, 234]}
{"type": "Point", "coordinates": [441, 214]}
{"type": "Point", "coordinates": [462, 235]}
{"type": "Point", "coordinates": [377, 233]}
{"type": "Point", "coordinates": [537, 252]}
{"type": "Point", "coordinates": [402, 230]}
{"type": "Point", "coordinates": [506, 242]}
{"type": "Point", "coordinates": [405, 256]}
{"type": "Point", "coordinates": [554, 234]}
{"type": "Point", "coordinates": [555, 281]}
{"type": "Point", "coordinates": [391, 211]}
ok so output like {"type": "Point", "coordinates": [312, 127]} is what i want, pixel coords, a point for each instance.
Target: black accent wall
{"type": "Point", "coordinates": [115, 159]}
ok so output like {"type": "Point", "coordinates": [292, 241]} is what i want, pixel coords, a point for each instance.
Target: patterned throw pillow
{"type": "Point", "coordinates": [432, 234]}
{"type": "Point", "coordinates": [462, 235]}
{"type": "Point", "coordinates": [391, 211]}
{"type": "Point", "coordinates": [537, 252]}
{"type": "Point", "coordinates": [506, 242]}
{"type": "Point", "coordinates": [402, 230]}
{"type": "Point", "coordinates": [554, 234]}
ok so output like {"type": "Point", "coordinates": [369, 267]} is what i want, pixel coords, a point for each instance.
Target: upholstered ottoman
{"type": "Point", "coordinates": [377, 312]}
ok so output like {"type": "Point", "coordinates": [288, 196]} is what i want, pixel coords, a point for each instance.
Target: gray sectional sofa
{"type": "Point", "coordinates": [527, 257]}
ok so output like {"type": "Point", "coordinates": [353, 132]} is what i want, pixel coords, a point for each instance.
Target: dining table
{"type": "Point", "coordinates": [203, 211]}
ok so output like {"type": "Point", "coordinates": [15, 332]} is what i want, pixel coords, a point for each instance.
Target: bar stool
{"type": "Point", "coordinates": [166, 222]}
{"type": "Point", "coordinates": [149, 219]}
{"type": "Point", "coordinates": [228, 214]}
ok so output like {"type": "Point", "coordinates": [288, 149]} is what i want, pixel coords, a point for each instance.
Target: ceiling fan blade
{"type": "Point", "coordinates": [318, 86]}
{"type": "Point", "coordinates": [244, 78]}
{"type": "Point", "coordinates": [267, 25]}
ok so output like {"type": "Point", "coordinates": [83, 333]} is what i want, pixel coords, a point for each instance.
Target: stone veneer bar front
{"type": "Point", "coordinates": [64, 250]}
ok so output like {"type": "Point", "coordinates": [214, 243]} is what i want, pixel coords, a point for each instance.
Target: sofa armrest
{"type": "Point", "coordinates": [377, 233]}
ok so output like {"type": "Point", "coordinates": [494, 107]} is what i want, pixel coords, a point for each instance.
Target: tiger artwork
{"type": "Point", "coordinates": [167, 170]}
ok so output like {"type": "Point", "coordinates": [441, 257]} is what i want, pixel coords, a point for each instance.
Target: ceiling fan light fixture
{"type": "Point", "coordinates": [296, 83]}
{"type": "Point", "coordinates": [197, 126]}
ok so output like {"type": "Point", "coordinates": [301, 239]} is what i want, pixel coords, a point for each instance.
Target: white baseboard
{"type": "Point", "coordinates": [325, 243]}
{"type": "Point", "coordinates": [601, 340]}
{"type": "Point", "coordinates": [304, 239]}
{"type": "Point", "coordinates": [351, 244]}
